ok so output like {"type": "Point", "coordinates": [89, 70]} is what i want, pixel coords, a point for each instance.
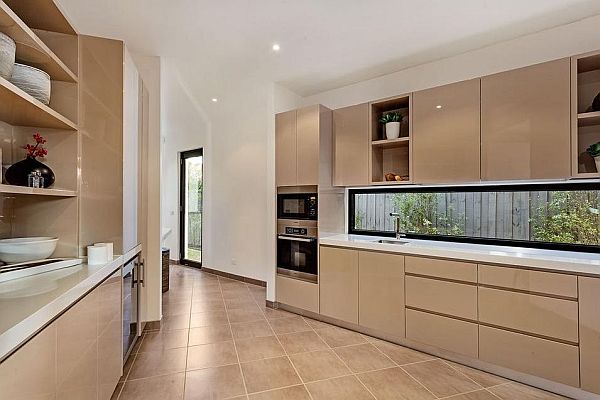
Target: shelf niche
{"type": "Point", "coordinates": [390, 155]}
{"type": "Point", "coordinates": [585, 70]}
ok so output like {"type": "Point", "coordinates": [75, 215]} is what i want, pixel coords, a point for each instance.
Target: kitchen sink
{"type": "Point", "coordinates": [391, 241]}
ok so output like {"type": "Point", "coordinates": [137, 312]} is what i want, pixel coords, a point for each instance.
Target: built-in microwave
{"type": "Point", "coordinates": [302, 206]}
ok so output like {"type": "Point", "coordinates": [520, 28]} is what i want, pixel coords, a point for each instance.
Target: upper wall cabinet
{"type": "Point", "coordinates": [446, 133]}
{"type": "Point", "coordinates": [525, 123]}
{"type": "Point", "coordinates": [351, 146]}
{"type": "Point", "coordinates": [301, 136]}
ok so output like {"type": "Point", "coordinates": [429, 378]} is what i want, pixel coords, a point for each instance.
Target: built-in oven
{"type": "Point", "coordinates": [297, 206]}
{"type": "Point", "coordinates": [297, 249]}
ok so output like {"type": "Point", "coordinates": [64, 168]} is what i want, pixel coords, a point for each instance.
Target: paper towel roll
{"type": "Point", "coordinates": [96, 255]}
{"type": "Point", "coordinates": [109, 249]}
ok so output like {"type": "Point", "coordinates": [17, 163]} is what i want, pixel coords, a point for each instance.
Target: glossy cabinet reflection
{"type": "Point", "coordinates": [285, 148]}
{"type": "Point", "coordinates": [525, 123]}
{"type": "Point", "coordinates": [351, 145]}
{"type": "Point", "coordinates": [446, 135]}
{"type": "Point", "coordinates": [338, 283]}
{"type": "Point", "coordinates": [589, 333]}
{"type": "Point", "coordinates": [78, 356]}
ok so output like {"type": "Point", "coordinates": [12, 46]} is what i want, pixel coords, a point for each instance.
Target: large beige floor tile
{"type": "Point", "coordinates": [401, 355]}
{"type": "Point", "coordinates": [512, 391]}
{"type": "Point", "coordinates": [482, 378]}
{"type": "Point", "coordinates": [211, 355]}
{"type": "Point", "coordinates": [209, 334]}
{"type": "Point", "coordinates": [272, 373]}
{"type": "Point", "coordinates": [271, 313]}
{"type": "Point", "coordinates": [180, 308]}
{"type": "Point", "coordinates": [440, 378]}
{"type": "Point", "coordinates": [156, 388]}
{"type": "Point", "coordinates": [239, 302]}
{"type": "Point", "coordinates": [258, 348]}
{"type": "Point", "coordinates": [301, 342]}
{"type": "Point", "coordinates": [344, 388]}
{"type": "Point", "coordinates": [164, 340]}
{"type": "Point", "coordinates": [214, 383]}
{"type": "Point", "coordinates": [158, 363]}
{"type": "Point", "coordinates": [289, 325]}
{"type": "Point", "coordinates": [207, 305]}
{"type": "Point", "coordinates": [318, 365]}
{"type": "Point", "coordinates": [175, 322]}
{"type": "Point", "coordinates": [363, 357]}
{"type": "Point", "coordinates": [478, 395]}
{"type": "Point", "coordinates": [246, 330]}
{"type": "Point", "coordinates": [289, 393]}
{"type": "Point", "coordinates": [394, 384]}
{"type": "Point", "coordinates": [337, 337]}
{"type": "Point", "coordinates": [317, 324]}
{"type": "Point", "coordinates": [246, 314]}
{"type": "Point", "coordinates": [209, 318]}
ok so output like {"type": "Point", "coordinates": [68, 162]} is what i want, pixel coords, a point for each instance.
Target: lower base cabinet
{"type": "Point", "coordinates": [547, 359]}
{"type": "Point", "coordinates": [78, 356]}
{"type": "Point", "coordinates": [297, 293]}
{"type": "Point", "coordinates": [338, 284]}
{"type": "Point", "coordinates": [457, 336]}
{"type": "Point", "coordinates": [589, 333]}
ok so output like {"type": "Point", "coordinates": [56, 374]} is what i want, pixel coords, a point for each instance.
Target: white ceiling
{"type": "Point", "coordinates": [324, 43]}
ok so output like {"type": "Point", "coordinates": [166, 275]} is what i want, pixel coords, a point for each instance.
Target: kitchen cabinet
{"type": "Point", "coordinates": [297, 293]}
{"type": "Point", "coordinates": [285, 148]}
{"type": "Point", "coordinates": [444, 269]}
{"type": "Point", "coordinates": [302, 140]}
{"type": "Point", "coordinates": [351, 146]}
{"type": "Point", "coordinates": [449, 298]}
{"type": "Point", "coordinates": [381, 292]}
{"type": "Point", "coordinates": [338, 283]}
{"type": "Point", "coordinates": [589, 333]}
{"type": "Point", "coordinates": [446, 133]}
{"type": "Point", "coordinates": [525, 123]}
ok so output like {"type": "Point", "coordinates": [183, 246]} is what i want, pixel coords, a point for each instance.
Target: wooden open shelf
{"type": "Point", "coordinates": [588, 118]}
{"type": "Point", "coordinates": [388, 143]}
{"type": "Point", "coordinates": [31, 50]}
{"type": "Point", "coordinates": [42, 14]}
{"type": "Point", "coordinates": [20, 109]}
{"type": "Point", "coordinates": [11, 189]}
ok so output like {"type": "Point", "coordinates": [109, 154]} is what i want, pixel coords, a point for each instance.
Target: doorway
{"type": "Point", "coordinates": [190, 208]}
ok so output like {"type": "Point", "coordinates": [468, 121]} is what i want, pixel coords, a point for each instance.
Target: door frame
{"type": "Point", "coordinates": [182, 200]}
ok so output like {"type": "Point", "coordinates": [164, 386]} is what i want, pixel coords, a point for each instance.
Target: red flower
{"type": "Point", "coordinates": [36, 150]}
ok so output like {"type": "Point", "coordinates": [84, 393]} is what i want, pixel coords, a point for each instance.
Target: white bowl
{"type": "Point", "coordinates": [18, 250]}
{"type": "Point", "coordinates": [32, 81]}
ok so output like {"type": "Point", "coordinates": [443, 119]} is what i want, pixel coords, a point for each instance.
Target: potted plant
{"type": "Point", "coordinates": [392, 122]}
{"type": "Point", "coordinates": [18, 173]}
{"type": "Point", "coordinates": [594, 151]}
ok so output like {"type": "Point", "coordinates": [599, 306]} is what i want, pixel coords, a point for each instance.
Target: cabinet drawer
{"type": "Point", "coordinates": [451, 298]}
{"type": "Point", "coordinates": [443, 332]}
{"type": "Point", "coordinates": [547, 359]}
{"type": "Point", "coordinates": [300, 294]}
{"type": "Point", "coordinates": [545, 316]}
{"type": "Point", "coordinates": [531, 281]}
{"type": "Point", "coordinates": [456, 270]}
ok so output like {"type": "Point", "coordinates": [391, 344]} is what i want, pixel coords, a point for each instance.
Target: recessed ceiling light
{"type": "Point", "coordinates": [438, 107]}
{"type": "Point", "coordinates": [214, 99]}
{"type": "Point", "coordinates": [276, 47]}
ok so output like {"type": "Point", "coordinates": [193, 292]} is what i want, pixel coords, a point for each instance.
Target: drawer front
{"type": "Point", "coordinates": [442, 332]}
{"type": "Point", "coordinates": [300, 294]}
{"type": "Point", "coordinates": [455, 270]}
{"type": "Point", "coordinates": [547, 359]}
{"type": "Point", "coordinates": [545, 316]}
{"type": "Point", "coordinates": [531, 281]}
{"type": "Point", "coordinates": [451, 298]}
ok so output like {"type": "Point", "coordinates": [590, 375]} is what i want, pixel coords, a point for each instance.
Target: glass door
{"type": "Point", "coordinates": [190, 220]}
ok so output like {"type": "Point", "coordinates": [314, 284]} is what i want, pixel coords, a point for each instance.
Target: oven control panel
{"type": "Point", "coordinates": [290, 230]}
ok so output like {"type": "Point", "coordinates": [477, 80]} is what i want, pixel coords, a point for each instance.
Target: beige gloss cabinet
{"type": "Point", "coordinates": [525, 123]}
{"type": "Point", "coordinates": [338, 283]}
{"type": "Point", "coordinates": [297, 293]}
{"type": "Point", "coordinates": [446, 133]}
{"type": "Point", "coordinates": [444, 269]}
{"type": "Point", "coordinates": [351, 145]}
{"type": "Point", "coordinates": [285, 149]}
{"type": "Point", "coordinates": [449, 298]}
{"type": "Point", "coordinates": [381, 292]}
{"type": "Point", "coordinates": [589, 333]}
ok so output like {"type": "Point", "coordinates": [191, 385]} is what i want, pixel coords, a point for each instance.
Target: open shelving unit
{"type": "Point", "coordinates": [390, 156]}
{"type": "Point", "coordinates": [585, 128]}
{"type": "Point", "coordinates": [18, 190]}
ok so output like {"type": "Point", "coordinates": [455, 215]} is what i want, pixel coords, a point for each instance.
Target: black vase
{"type": "Point", "coordinates": [18, 173]}
{"type": "Point", "coordinates": [596, 103]}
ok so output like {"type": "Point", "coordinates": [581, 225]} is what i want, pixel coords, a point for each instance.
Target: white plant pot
{"type": "Point", "coordinates": [597, 160]}
{"type": "Point", "coordinates": [392, 130]}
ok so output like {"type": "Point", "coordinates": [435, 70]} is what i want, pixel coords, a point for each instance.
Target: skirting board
{"type": "Point", "coordinates": [527, 379]}
{"type": "Point", "coordinates": [235, 277]}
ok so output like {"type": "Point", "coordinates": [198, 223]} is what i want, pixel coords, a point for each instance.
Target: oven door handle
{"type": "Point", "coordinates": [296, 239]}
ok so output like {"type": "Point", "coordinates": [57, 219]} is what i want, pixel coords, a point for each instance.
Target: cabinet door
{"type": "Point", "coordinates": [446, 139]}
{"type": "Point", "coordinates": [297, 293]}
{"type": "Point", "coordinates": [110, 335]}
{"type": "Point", "coordinates": [525, 123]}
{"type": "Point", "coordinates": [381, 292]}
{"type": "Point", "coordinates": [285, 149]}
{"type": "Point", "coordinates": [307, 142]}
{"type": "Point", "coordinates": [338, 284]}
{"type": "Point", "coordinates": [351, 146]}
{"type": "Point", "coordinates": [589, 333]}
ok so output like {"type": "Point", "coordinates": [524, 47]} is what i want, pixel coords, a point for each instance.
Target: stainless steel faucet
{"type": "Point", "coordinates": [399, 233]}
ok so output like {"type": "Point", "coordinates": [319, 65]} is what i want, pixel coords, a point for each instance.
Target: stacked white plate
{"type": "Point", "coordinates": [32, 81]}
{"type": "Point", "coordinates": [7, 56]}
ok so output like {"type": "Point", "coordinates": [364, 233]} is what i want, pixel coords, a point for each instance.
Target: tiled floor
{"type": "Point", "coordinates": [219, 341]}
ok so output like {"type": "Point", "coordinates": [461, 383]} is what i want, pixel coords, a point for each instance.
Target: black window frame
{"type": "Point", "coordinates": [567, 186]}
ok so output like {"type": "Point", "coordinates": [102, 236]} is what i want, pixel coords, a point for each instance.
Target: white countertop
{"type": "Point", "coordinates": [28, 304]}
{"type": "Point", "coordinates": [548, 260]}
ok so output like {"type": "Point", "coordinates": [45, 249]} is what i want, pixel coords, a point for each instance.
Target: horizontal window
{"type": "Point", "coordinates": [562, 216]}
